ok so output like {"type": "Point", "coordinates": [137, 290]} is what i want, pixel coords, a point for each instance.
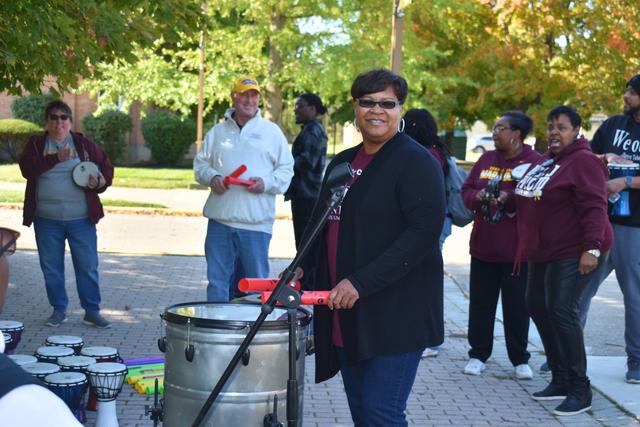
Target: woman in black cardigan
{"type": "Point", "coordinates": [379, 255]}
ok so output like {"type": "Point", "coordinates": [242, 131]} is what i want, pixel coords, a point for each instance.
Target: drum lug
{"type": "Point", "coordinates": [245, 357]}
{"type": "Point", "coordinates": [162, 344]}
{"type": "Point", "coordinates": [189, 352]}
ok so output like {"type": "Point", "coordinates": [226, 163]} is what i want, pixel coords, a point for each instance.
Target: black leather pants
{"type": "Point", "coordinates": [554, 290]}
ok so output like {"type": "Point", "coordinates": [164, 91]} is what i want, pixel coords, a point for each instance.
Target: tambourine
{"type": "Point", "coordinates": [82, 171]}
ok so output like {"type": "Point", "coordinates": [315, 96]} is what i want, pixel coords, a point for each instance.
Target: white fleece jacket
{"type": "Point", "coordinates": [263, 148]}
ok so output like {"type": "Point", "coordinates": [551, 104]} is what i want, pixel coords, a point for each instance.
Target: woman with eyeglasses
{"type": "Point", "coordinates": [565, 234]}
{"type": "Point", "coordinates": [62, 210]}
{"type": "Point", "coordinates": [488, 191]}
{"type": "Point", "coordinates": [379, 255]}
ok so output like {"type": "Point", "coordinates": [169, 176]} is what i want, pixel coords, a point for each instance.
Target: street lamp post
{"type": "Point", "coordinates": [396, 37]}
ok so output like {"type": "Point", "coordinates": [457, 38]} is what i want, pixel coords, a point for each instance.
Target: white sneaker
{"type": "Point", "coordinates": [524, 372]}
{"type": "Point", "coordinates": [474, 367]}
{"type": "Point", "coordinates": [430, 352]}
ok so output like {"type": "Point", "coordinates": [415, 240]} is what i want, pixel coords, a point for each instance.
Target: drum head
{"type": "Point", "coordinates": [65, 340]}
{"type": "Point", "coordinates": [107, 368]}
{"type": "Point", "coordinates": [65, 378]}
{"type": "Point", "coordinates": [23, 359]}
{"type": "Point", "coordinates": [99, 352]}
{"type": "Point", "coordinates": [76, 361]}
{"type": "Point", "coordinates": [10, 325]}
{"type": "Point", "coordinates": [82, 171]}
{"type": "Point", "coordinates": [228, 315]}
{"type": "Point", "coordinates": [518, 172]}
{"type": "Point", "coordinates": [40, 368]}
{"type": "Point", "coordinates": [54, 351]}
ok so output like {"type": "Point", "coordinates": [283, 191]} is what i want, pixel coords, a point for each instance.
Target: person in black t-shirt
{"type": "Point", "coordinates": [617, 140]}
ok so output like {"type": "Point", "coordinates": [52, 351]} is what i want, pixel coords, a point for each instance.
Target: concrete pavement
{"type": "Point", "coordinates": [139, 279]}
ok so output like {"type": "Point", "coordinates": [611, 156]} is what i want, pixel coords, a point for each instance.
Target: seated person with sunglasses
{"type": "Point", "coordinates": [488, 191]}
{"type": "Point", "coordinates": [61, 210]}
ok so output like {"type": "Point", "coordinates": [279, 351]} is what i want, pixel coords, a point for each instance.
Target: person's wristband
{"type": "Point", "coordinates": [628, 180]}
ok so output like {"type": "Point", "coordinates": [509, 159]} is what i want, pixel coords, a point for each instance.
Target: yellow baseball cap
{"type": "Point", "coordinates": [244, 84]}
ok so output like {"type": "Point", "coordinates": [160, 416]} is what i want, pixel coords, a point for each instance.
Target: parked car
{"type": "Point", "coordinates": [481, 143]}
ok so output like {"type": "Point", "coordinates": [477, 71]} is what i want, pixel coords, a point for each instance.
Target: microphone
{"type": "Point", "coordinates": [340, 175]}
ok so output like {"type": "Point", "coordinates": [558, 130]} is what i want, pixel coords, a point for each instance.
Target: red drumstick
{"type": "Point", "coordinates": [230, 180]}
{"type": "Point", "coordinates": [306, 298]}
{"type": "Point", "coordinates": [236, 173]}
{"type": "Point", "coordinates": [261, 285]}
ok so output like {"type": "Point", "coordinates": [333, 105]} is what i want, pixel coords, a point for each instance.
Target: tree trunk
{"type": "Point", "coordinates": [273, 93]}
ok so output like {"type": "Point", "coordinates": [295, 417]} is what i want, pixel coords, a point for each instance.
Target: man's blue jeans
{"type": "Point", "coordinates": [624, 260]}
{"type": "Point", "coordinates": [224, 247]}
{"type": "Point", "coordinates": [81, 235]}
{"type": "Point", "coordinates": [377, 389]}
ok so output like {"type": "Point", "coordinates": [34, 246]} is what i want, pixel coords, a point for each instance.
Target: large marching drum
{"type": "Point", "coordinates": [201, 339]}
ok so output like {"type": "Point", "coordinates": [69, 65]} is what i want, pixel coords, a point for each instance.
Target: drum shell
{"type": "Point", "coordinates": [248, 394]}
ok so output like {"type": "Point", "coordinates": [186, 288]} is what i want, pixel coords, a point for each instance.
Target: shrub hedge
{"type": "Point", "coordinates": [168, 136]}
{"type": "Point", "coordinates": [109, 129]}
{"type": "Point", "coordinates": [14, 134]}
{"type": "Point", "coordinates": [31, 108]}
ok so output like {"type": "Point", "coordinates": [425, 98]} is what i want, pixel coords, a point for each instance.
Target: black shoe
{"type": "Point", "coordinates": [551, 392]}
{"type": "Point", "coordinates": [574, 405]}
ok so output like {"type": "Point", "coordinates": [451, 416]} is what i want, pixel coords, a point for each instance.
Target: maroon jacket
{"type": "Point", "coordinates": [33, 164]}
{"type": "Point", "coordinates": [562, 207]}
{"type": "Point", "coordinates": [494, 242]}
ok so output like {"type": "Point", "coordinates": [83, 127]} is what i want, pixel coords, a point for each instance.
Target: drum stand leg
{"type": "Point", "coordinates": [290, 298]}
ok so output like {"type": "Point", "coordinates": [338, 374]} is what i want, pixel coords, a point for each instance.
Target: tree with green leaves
{"type": "Point", "coordinates": [66, 40]}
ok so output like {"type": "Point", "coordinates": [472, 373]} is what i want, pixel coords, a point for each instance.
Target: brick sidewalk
{"type": "Point", "coordinates": [136, 289]}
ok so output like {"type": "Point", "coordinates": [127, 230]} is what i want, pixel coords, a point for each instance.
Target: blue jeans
{"type": "Point", "coordinates": [377, 389]}
{"type": "Point", "coordinates": [226, 249]}
{"type": "Point", "coordinates": [81, 235]}
{"type": "Point", "coordinates": [624, 260]}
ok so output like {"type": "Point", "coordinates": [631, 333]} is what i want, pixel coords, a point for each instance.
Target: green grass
{"type": "Point", "coordinates": [138, 177]}
{"type": "Point", "coordinates": [14, 196]}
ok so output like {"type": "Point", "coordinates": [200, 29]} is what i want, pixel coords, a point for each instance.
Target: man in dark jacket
{"type": "Point", "coordinates": [309, 151]}
{"type": "Point", "coordinates": [617, 141]}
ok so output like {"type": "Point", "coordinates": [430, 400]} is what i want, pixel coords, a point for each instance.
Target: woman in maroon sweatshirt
{"type": "Point", "coordinates": [564, 233]}
{"type": "Point", "coordinates": [493, 247]}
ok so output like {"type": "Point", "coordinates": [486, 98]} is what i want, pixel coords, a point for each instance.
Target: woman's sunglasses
{"type": "Point", "coordinates": [54, 117]}
{"type": "Point", "coordinates": [370, 103]}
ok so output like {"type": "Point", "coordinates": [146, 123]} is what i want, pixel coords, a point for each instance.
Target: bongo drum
{"type": "Point", "coordinates": [23, 359]}
{"type": "Point", "coordinates": [101, 354]}
{"type": "Point", "coordinates": [107, 379]}
{"type": "Point", "coordinates": [70, 387]}
{"type": "Point", "coordinates": [82, 171]}
{"type": "Point", "coordinates": [52, 354]}
{"type": "Point", "coordinates": [14, 329]}
{"type": "Point", "coordinates": [7, 342]}
{"type": "Point", "coordinates": [75, 363]}
{"type": "Point", "coordinates": [70, 341]}
{"type": "Point", "coordinates": [40, 369]}
{"type": "Point", "coordinates": [621, 207]}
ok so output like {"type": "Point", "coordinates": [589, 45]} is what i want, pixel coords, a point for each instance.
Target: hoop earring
{"type": "Point", "coordinates": [401, 125]}
{"type": "Point", "coordinates": [355, 125]}
{"type": "Point", "coordinates": [512, 141]}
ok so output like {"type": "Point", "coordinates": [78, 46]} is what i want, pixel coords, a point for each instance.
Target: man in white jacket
{"type": "Point", "coordinates": [241, 216]}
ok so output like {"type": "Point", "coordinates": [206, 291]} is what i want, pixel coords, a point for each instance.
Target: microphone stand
{"type": "Point", "coordinates": [289, 298]}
